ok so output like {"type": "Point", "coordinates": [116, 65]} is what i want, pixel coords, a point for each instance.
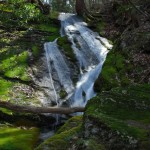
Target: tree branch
{"type": "Point", "coordinates": [39, 110]}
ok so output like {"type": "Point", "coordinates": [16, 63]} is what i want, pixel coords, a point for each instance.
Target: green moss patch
{"type": "Point", "coordinates": [52, 37]}
{"type": "Point", "coordinates": [54, 15]}
{"type": "Point", "coordinates": [48, 28]}
{"type": "Point", "coordinates": [66, 46]}
{"type": "Point", "coordinates": [12, 138]}
{"type": "Point", "coordinates": [63, 137]}
{"type": "Point", "coordinates": [71, 123]}
{"type": "Point", "coordinates": [100, 27]}
{"type": "Point", "coordinates": [5, 86]}
{"type": "Point", "coordinates": [6, 111]}
{"type": "Point", "coordinates": [35, 51]}
{"type": "Point", "coordinates": [63, 94]}
{"type": "Point", "coordinates": [15, 66]}
{"type": "Point", "coordinates": [115, 72]}
{"type": "Point", "coordinates": [17, 92]}
{"type": "Point", "coordinates": [123, 109]}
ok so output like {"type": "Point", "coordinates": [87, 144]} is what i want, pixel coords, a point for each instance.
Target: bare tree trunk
{"type": "Point", "coordinates": [80, 7]}
{"type": "Point", "coordinates": [39, 110]}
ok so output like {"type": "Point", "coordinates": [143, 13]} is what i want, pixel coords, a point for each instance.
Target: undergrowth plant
{"type": "Point", "coordinates": [19, 12]}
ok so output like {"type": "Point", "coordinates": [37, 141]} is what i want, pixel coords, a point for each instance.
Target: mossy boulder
{"type": "Point", "coordinates": [115, 71]}
{"type": "Point", "coordinates": [65, 44]}
{"type": "Point", "coordinates": [64, 137]}
{"type": "Point", "coordinates": [120, 117]}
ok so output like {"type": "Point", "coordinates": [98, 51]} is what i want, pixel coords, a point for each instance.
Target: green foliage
{"type": "Point", "coordinates": [20, 20]}
{"type": "Point", "coordinates": [15, 1]}
{"type": "Point", "coordinates": [51, 27]}
{"type": "Point", "coordinates": [19, 12]}
{"type": "Point", "coordinates": [109, 72]}
{"type": "Point", "coordinates": [12, 138]}
{"type": "Point", "coordinates": [27, 12]}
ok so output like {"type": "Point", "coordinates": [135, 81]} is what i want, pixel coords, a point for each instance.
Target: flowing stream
{"type": "Point", "coordinates": [90, 50]}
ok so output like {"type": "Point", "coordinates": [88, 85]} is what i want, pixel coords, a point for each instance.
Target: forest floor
{"type": "Point", "coordinates": [21, 46]}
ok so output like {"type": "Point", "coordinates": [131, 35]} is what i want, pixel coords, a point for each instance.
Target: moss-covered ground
{"type": "Point", "coordinates": [116, 71]}
{"type": "Point", "coordinates": [126, 110]}
{"type": "Point", "coordinates": [21, 44]}
{"type": "Point", "coordinates": [15, 138]}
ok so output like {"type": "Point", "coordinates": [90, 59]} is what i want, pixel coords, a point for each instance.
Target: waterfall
{"type": "Point", "coordinates": [60, 65]}
{"type": "Point", "coordinates": [90, 50]}
{"type": "Point", "coordinates": [50, 70]}
{"type": "Point", "coordinates": [91, 55]}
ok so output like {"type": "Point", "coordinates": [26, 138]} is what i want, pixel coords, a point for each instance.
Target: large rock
{"type": "Point", "coordinates": [120, 118]}
{"type": "Point", "coordinates": [64, 137]}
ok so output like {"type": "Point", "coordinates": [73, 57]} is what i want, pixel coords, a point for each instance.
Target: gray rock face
{"type": "Point", "coordinates": [48, 82]}
{"type": "Point", "coordinates": [115, 118]}
{"type": "Point", "coordinates": [111, 139]}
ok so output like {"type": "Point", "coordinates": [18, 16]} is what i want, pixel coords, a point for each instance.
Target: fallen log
{"type": "Point", "coordinates": [40, 110]}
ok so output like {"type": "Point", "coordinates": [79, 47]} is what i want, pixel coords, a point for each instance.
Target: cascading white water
{"type": "Point", "coordinates": [55, 59]}
{"type": "Point", "coordinates": [91, 55]}
{"type": "Point", "coordinates": [60, 66]}
{"type": "Point", "coordinates": [90, 50]}
{"type": "Point", "coordinates": [50, 73]}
